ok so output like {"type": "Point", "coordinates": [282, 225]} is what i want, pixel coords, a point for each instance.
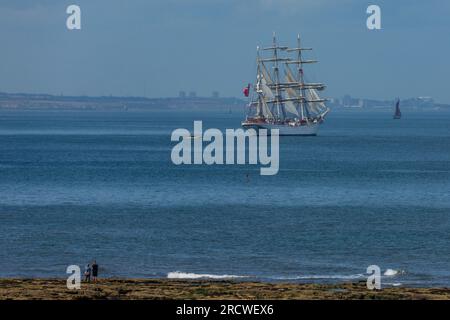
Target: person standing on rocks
{"type": "Point", "coordinates": [87, 273]}
{"type": "Point", "coordinates": [94, 271]}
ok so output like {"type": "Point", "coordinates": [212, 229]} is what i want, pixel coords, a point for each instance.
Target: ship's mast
{"type": "Point", "coordinates": [258, 79]}
{"type": "Point", "coordinates": [276, 98]}
{"type": "Point", "coordinates": [276, 77]}
{"type": "Point", "coordinates": [300, 76]}
{"type": "Point", "coordinates": [301, 79]}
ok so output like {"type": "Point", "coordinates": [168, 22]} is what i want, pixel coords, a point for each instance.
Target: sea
{"type": "Point", "coordinates": [78, 186]}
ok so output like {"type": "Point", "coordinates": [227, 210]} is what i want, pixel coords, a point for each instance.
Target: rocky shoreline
{"type": "Point", "coordinates": [142, 289]}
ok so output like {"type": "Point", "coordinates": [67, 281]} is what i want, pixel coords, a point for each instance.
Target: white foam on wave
{"type": "Point", "coordinates": [319, 277]}
{"type": "Point", "coordinates": [391, 272]}
{"type": "Point", "coordinates": [188, 275]}
{"type": "Point", "coordinates": [394, 284]}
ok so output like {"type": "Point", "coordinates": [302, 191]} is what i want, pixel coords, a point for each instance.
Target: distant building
{"type": "Point", "coordinates": [424, 102]}
{"type": "Point", "coordinates": [350, 102]}
{"type": "Point", "coordinates": [182, 94]}
{"type": "Point", "coordinates": [215, 94]}
{"type": "Point", "coordinates": [335, 101]}
{"type": "Point", "coordinates": [192, 94]}
{"type": "Point", "coordinates": [347, 100]}
{"type": "Point", "coordinates": [426, 99]}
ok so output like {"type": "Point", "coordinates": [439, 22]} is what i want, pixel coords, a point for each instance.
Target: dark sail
{"type": "Point", "coordinates": [398, 113]}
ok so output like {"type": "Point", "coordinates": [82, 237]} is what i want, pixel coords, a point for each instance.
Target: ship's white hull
{"type": "Point", "coordinates": [286, 130]}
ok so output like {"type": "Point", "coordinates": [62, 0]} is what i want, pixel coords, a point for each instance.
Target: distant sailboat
{"type": "Point", "coordinates": [398, 113]}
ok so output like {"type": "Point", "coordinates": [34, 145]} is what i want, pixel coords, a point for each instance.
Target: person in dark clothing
{"type": "Point", "coordinates": [87, 273]}
{"type": "Point", "coordinates": [94, 271]}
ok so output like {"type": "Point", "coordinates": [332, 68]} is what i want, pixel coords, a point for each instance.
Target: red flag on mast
{"type": "Point", "coordinates": [246, 90]}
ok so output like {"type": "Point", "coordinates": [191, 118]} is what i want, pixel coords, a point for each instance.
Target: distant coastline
{"type": "Point", "coordinates": [57, 102]}
{"type": "Point", "coordinates": [31, 101]}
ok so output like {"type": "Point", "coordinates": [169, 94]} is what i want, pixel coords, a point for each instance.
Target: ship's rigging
{"type": "Point", "coordinates": [282, 94]}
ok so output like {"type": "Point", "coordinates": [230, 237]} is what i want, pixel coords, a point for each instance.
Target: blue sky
{"type": "Point", "coordinates": [158, 47]}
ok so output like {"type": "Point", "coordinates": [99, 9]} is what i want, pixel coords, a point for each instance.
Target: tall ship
{"type": "Point", "coordinates": [282, 98]}
{"type": "Point", "coordinates": [398, 113]}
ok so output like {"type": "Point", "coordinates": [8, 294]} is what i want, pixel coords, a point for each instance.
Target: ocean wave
{"type": "Point", "coordinates": [393, 284]}
{"type": "Point", "coordinates": [187, 275]}
{"type": "Point", "coordinates": [393, 272]}
{"type": "Point", "coordinates": [322, 277]}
